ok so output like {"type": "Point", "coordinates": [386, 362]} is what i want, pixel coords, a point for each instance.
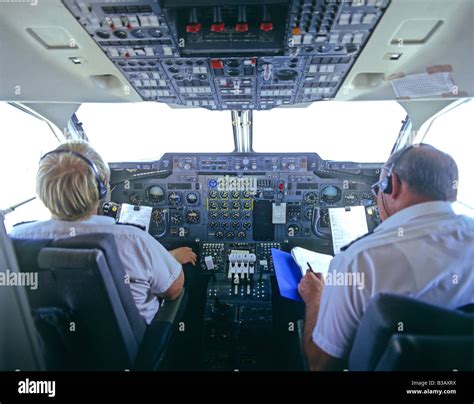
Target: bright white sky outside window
{"type": "Point", "coordinates": [453, 132]}
{"type": "Point", "coordinates": [353, 131]}
{"type": "Point", "coordinates": [24, 140]}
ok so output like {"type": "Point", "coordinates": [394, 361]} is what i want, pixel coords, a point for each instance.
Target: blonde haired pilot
{"type": "Point", "coordinates": [71, 181]}
{"type": "Point", "coordinates": [70, 186]}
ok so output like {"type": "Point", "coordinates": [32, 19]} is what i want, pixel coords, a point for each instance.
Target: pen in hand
{"type": "Point", "coordinates": [318, 274]}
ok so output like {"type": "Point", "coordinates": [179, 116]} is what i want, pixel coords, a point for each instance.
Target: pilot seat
{"type": "Point", "coordinates": [84, 312]}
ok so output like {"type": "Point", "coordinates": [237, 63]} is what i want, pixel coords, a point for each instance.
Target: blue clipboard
{"type": "Point", "coordinates": [288, 274]}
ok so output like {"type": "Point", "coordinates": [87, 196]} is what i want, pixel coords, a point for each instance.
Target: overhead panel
{"type": "Point", "coordinates": [226, 55]}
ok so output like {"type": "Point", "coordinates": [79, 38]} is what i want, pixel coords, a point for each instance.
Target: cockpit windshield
{"type": "Point", "coordinates": [355, 131]}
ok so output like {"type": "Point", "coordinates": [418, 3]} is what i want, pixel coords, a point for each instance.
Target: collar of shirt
{"type": "Point", "coordinates": [436, 208]}
{"type": "Point", "coordinates": [100, 220]}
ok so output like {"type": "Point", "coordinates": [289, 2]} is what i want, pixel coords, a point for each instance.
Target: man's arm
{"type": "Point", "coordinates": [183, 255]}
{"type": "Point", "coordinates": [175, 289]}
{"type": "Point", "coordinates": [310, 289]}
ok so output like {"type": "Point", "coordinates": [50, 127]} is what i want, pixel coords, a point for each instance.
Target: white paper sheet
{"type": "Point", "coordinates": [319, 262]}
{"type": "Point", "coordinates": [347, 225]}
{"type": "Point", "coordinates": [140, 217]}
{"type": "Point", "coordinates": [279, 213]}
{"type": "Point", "coordinates": [423, 85]}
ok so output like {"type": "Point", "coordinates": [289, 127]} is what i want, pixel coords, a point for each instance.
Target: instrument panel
{"type": "Point", "coordinates": [224, 55]}
{"type": "Point", "coordinates": [245, 198]}
{"type": "Point", "coordinates": [237, 207]}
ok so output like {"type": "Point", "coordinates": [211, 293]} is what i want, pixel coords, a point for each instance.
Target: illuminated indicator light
{"type": "Point", "coordinates": [266, 26]}
{"type": "Point", "coordinates": [193, 28]}
{"type": "Point", "coordinates": [296, 31]}
{"type": "Point", "coordinates": [281, 186]}
{"type": "Point", "coordinates": [219, 27]}
{"type": "Point", "coordinates": [217, 64]}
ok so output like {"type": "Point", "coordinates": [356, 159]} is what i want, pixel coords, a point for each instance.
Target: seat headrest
{"type": "Point", "coordinates": [389, 314]}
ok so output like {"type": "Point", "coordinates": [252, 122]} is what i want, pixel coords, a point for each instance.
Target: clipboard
{"type": "Point", "coordinates": [288, 274]}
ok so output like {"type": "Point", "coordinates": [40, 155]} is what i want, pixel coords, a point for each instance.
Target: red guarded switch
{"type": "Point", "coordinates": [219, 27]}
{"type": "Point", "coordinates": [266, 26]}
{"type": "Point", "coordinates": [241, 27]}
{"type": "Point", "coordinates": [193, 28]}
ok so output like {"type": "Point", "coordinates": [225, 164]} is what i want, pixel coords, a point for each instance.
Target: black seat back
{"type": "Point", "coordinates": [107, 245]}
{"type": "Point", "coordinates": [428, 353]}
{"type": "Point", "coordinates": [390, 315]}
{"type": "Point", "coordinates": [83, 307]}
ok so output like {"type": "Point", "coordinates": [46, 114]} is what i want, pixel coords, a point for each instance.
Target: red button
{"type": "Point", "coordinates": [217, 64]}
{"type": "Point", "coordinates": [242, 27]}
{"type": "Point", "coordinates": [217, 27]}
{"type": "Point", "coordinates": [266, 26]}
{"type": "Point", "coordinates": [193, 28]}
{"type": "Point", "coordinates": [281, 186]}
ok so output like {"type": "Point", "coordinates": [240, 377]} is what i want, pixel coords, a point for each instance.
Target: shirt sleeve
{"type": "Point", "coordinates": [341, 307]}
{"type": "Point", "coordinates": [164, 268]}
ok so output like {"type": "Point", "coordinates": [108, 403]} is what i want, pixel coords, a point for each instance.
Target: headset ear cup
{"type": "Point", "coordinates": [387, 185]}
{"type": "Point", "coordinates": [102, 190]}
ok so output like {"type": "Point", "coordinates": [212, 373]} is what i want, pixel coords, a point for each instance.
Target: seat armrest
{"type": "Point", "coordinates": [172, 310]}
{"type": "Point", "coordinates": [153, 348]}
{"type": "Point", "coordinates": [300, 328]}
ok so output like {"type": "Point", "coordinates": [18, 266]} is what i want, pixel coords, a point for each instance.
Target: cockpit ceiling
{"type": "Point", "coordinates": [223, 56]}
{"type": "Point", "coordinates": [231, 57]}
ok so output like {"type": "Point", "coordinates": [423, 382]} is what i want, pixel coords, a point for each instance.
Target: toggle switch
{"type": "Point", "coordinates": [193, 26]}
{"type": "Point", "coordinates": [242, 25]}
{"type": "Point", "coordinates": [217, 25]}
{"type": "Point", "coordinates": [266, 24]}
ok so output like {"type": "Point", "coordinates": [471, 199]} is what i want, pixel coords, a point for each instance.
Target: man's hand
{"type": "Point", "coordinates": [184, 255]}
{"type": "Point", "coordinates": [311, 287]}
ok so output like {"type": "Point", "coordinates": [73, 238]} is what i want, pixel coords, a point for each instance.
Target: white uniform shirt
{"type": "Point", "coordinates": [425, 251]}
{"type": "Point", "coordinates": [151, 268]}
